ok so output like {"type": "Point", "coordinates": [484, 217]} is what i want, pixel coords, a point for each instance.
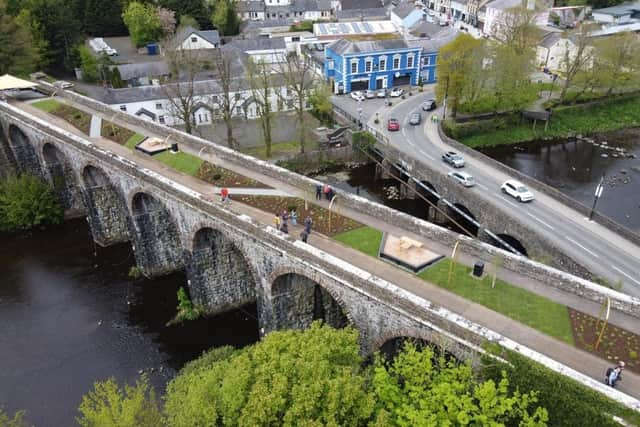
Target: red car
{"type": "Point", "coordinates": [393, 125]}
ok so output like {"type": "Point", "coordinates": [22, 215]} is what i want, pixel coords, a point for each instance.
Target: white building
{"type": "Point", "coordinates": [494, 15]}
{"type": "Point", "coordinates": [292, 10]}
{"type": "Point", "coordinates": [191, 39]}
{"type": "Point", "coordinates": [551, 51]}
{"type": "Point", "coordinates": [625, 13]}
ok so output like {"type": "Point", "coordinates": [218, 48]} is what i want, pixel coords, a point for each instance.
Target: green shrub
{"type": "Point", "coordinates": [25, 202]}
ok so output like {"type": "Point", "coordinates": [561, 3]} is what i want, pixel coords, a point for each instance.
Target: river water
{"type": "Point", "coordinates": [576, 167]}
{"type": "Point", "coordinates": [69, 318]}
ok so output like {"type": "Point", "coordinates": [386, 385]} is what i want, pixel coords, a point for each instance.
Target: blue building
{"type": "Point", "coordinates": [377, 64]}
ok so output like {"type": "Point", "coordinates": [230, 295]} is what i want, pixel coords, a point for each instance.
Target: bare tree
{"type": "Point", "coordinates": [224, 104]}
{"type": "Point", "coordinates": [578, 58]}
{"type": "Point", "coordinates": [297, 75]}
{"type": "Point", "coordinates": [518, 30]}
{"type": "Point", "coordinates": [261, 83]}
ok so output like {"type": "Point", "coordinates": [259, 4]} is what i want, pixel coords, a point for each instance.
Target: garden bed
{"type": "Point", "coordinates": [222, 177]}
{"type": "Point", "coordinates": [116, 133]}
{"type": "Point", "coordinates": [324, 222]}
{"type": "Point", "coordinates": [616, 344]}
{"type": "Point", "coordinates": [79, 119]}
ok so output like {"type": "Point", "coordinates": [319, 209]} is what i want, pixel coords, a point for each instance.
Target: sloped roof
{"type": "Point", "coordinates": [368, 13]}
{"type": "Point", "coordinates": [143, 69]}
{"type": "Point", "coordinates": [8, 82]}
{"type": "Point", "coordinates": [212, 36]}
{"type": "Point", "coordinates": [549, 40]}
{"type": "Point", "coordinates": [310, 5]}
{"type": "Point", "coordinates": [403, 10]}
{"type": "Point", "coordinates": [248, 45]}
{"type": "Point", "coordinates": [250, 6]}
{"type": "Point", "coordinates": [620, 10]}
{"type": "Point", "coordinates": [343, 46]}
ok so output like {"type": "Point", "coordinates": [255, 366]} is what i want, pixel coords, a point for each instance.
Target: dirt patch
{"type": "Point", "coordinates": [116, 133]}
{"type": "Point", "coordinates": [79, 119]}
{"type": "Point", "coordinates": [222, 177]}
{"type": "Point", "coordinates": [323, 222]}
{"type": "Point", "coordinates": [616, 344]}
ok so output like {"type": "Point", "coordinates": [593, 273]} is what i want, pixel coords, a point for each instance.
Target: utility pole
{"type": "Point", "coordinates": [597, 195]}
{"type": "Point", "coordinates": [446, 92]}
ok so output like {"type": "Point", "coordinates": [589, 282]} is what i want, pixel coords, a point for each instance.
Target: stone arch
{"type": "Point", "coordinates": [158, 248]}
{"type": "Point", "coordinates": [107, 210]}
{"type": "Point", "coordinates": [298, 300]}
{"type": "Point", "coordinates": [460, 219]}
{"type": "Point", "coordinates": [427, 194]}
{"type": "Point", "coordinates": [8, 163]}
{"type": "Point", "coordinates": [391, 343]}
{"type": "Point", "coordinates": [62, 177]}
{"type": "Point", "coordinates": [515, 243]}
{"type": "Point", "coordinates": [24, 153]}
{"type": "Point", "coordinates": [220, 277]}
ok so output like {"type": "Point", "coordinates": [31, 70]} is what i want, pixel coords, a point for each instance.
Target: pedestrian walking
{"type": "Point", "coordinates": [304, 236]}
{"type": "Point", "coordinates": [294, 217]}
{"type": "Point", "coordinates": [307, 224]}
{"type": "Point", "coordinates": [224, 194]}
{"type": "Point", "coordinates": [330, 194]}
{"type": "Point", "coordinates": [285, 216]}
{"type": "Point", "coordinates": [284, 227]}
{"type": "Point", "coordinates": [277, 221]}
{"type": "Point", "coordinates": [326, 191]}
{"type": "Point", "coordinates": [613, 375]}
{"type": "Point", "coordinates": [318, 192]}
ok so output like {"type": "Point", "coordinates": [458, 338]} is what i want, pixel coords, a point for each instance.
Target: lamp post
{"type": "Point", "coordinates": [597, 195]}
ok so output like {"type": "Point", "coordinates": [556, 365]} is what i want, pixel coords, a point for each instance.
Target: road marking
{"type": "Point", "coordinates": [540, 221]}
{"type": "Point", "coordinates": [404, 133]}
{"type": "Point", "coordinates": [625, 274]}
{"type": "Point", "coordinates": [582, 247]}
{"type": "Point", "coordinates": [510, 202]}
{"type": "Point", "coordinates": [424, 153]}
{"type": "Point", "coordinates": [484, 187]}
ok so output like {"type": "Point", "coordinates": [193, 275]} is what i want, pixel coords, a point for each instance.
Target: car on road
{"type": "Point", "coordinates": [517, 190]}
{"type": "Point", "coordinates": [357, 95]}
{"type": "Point", "coordinates": [369, 94]}
{"type": "Point", "coordinates": [393, 125]}
{"type": "Point", "coordinates": [415, 119]}
{"type": "Point", "coordinates": [453, 158]}
{"type": "Point", "coordinates": [429, 105]}
{"type": "Point", "coordinates": [396, 92]}
{"type": "Point", "coordinates": [463, 178]}
{"type": "Point", "coordinates": [382, 93]}
{"type": "Point", "coordinates": [61, 84]}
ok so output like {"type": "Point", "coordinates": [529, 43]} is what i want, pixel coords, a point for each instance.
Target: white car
{"type": "Point", "coordinates": [463, 178]}
{"type": "Point", "coordinates": [61, 84]}
{"type": "Point", "coordinates": [369, 94]}
{"type": "Point", "coordinates": [396, 92]}
{"type": "Point", "coordinates": [517, 190]}
{"type": "Point", "coordinates": [357, 95]}
{"type": "Point", "coordinates": [382, 93]}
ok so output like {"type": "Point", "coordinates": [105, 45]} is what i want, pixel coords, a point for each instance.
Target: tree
{"type": "Point", "coordinates": [116, 78]}
{"type": "Point", "coordinates": [260, 81]}
{"type": "Point", "coordinates": [225, 17]}
{"type": "Point", "coordinates": [518, 30]}
{"type": "Point", "coordinates": [142, 22]}
{"type": "Point", "coordinates": [312, 377]}
{"type": "Point", "coordinates": [617, 61]}
{"type": "Point", "coordinates": [18, 55]}
{"type": "Point", "coordinates": [25, 202]}
{"type": "Point", "coordinates": [510, 72]}
{"type": "Point", "coordinates": [109, 405]}
{"type": "Point", "coordinates": [188, 21]}
{"type": "Point", "coordinates": [320, 100]}
{"type": "Point", "coordinates": [297, 75]}
{"type": "Point", "coordinates": [88, 64]}
{"type": "Point", "coordinates": [26, 20]}
{"type": "Point", "coordinates": [167, 20]}
{"type": "Point", "coordinates": [103, 18]}
{"type": "Point", "coordinates": [16, 421]}
{"type": "Point", "coordinates": [455, 61]}
{"type": "Point", "coordinates": [224, 105]}
{"type": "Point", "coordinates": [195, 9]}
{"type": "Point", "coordinates": [419, 388]}
{"type": "Point", "coordinates": [575, 61]}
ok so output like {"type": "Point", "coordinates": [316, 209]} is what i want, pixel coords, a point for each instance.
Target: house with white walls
{"type": "Point", "coordinates": [191, 39]}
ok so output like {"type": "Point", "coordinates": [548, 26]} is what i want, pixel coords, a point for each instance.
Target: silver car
{"type": "Point", "coordinates": [463, 178]}
{"type": "Point", "coordinates": [415, 119]}
{"type": "Point", "coordinates": [369, 94]}
{"type": "Point", "coordinates": [453, 158]}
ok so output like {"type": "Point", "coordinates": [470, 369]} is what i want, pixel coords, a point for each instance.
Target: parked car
{"type": "Point", "coordinates": [429, 105]}
{"type": "Point", "coordinates": [357, 95]}
{"type": "Point", "coordinates": [396, 92]}
{"type": "Point", "coordinates": [463, 178]}
{"type": "Point", "coordinates": [453, 158]}
{"type": "Point", "coordinates": [61, 84]}
{"type": "Point", "coordinates": [382, 93]}
{"type": "Point", "coordinates": [415, 119]}
{"type": "Point", "coordinates": [393, 125]}
{"type": "Point", "coordinates": [369, 94]}
{"type": "Point", "coordinates": [517, 190]}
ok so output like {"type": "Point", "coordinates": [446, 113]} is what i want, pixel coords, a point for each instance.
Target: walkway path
{"type": "Point", "coordinates": [577, 359]}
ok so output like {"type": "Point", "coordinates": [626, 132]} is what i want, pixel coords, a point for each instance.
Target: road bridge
{"type": "Point", "coordinates": [231, 257]}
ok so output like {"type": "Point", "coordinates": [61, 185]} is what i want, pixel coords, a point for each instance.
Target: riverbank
{"type": "Point", "coordinates": [567, 121]}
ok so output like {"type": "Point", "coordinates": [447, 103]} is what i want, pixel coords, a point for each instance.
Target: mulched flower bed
{"type": "Point", "coordinates": [116, 133]}
{"type": "Point", "coordinates": [222, 177]}
{"type": "Point", "coordinates": [320, 216]}
{"type": "Point", "coordinates": [79, 119]}
{"type": "Point", "coordinates": [616, 344]}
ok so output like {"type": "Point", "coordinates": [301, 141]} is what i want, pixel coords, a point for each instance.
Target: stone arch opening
{"type": "Point", "coordinates": [298, 301]}
{"type": "Point", "coordinates": [392, 346]}
{"type": "Point", "coordinates": [24, 154]}
{"type": "Point", "coordinates": [220, 277]}
{"type": "Point", "coordinates": [62, 178]}
{"type": "Point", "coordinates": [515, 243]}
{"type": "Point", "coordinates": [106, 208]}
{"type": "Point", "coordinates": [428, 194]}
{"type": "Point", "coordinates": [462, 220]}
{"type": "Point", "coordinates": [158, 248]}
{"type": "Point", "coordinates": [8, 163]}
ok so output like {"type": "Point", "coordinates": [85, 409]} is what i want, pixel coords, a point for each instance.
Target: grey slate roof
{"type": "Point", "coordinates": [343, 46]}
{"type": "Point", "coordinates": [143, 69]}
{"type": "Point", "coordinates": [549, 40]}
{"type": "Point", "coordinates": [434, 44]}
{"type": "Point", "coordinates": [426, 29]}
{"type": "Point", "coordinates": [250, 6]}
{"type": "Point", "coordinates": [620, 10]}
{"type": "Point", "coordinates": [261, 43]}
{"type": "Point", "coordinates": [403, 10]}
{"type": "Point", "coordinates": [310, 5]}
{"type": "Point", "coordinates": [366, 14]}
{"type": "Point", "coordinates": [212, 36]}
{"type": "Point", "coordinates": [363, 4]}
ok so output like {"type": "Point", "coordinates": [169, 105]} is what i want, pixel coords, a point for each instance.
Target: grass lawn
{"type": "Point", "coordinates": [279, 149]}
{"type": "Point", "coordinates": [133, 140]}
{"type": "Point", "coordinates": [526, 307]}
{"type": "Point", "coordinates": [47, 105]}
{"type": "Point", "coordinates": [604, 117]}
{"type": "Point", "coordinates": [364, 239]}
{"type": "Point", "coordinates": [182, 162]}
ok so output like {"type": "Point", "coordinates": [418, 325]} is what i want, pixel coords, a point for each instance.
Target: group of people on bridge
{"type": "Point", "coordinates": [281, 222]}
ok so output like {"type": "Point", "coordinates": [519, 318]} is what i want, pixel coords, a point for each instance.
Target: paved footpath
{"type": "Point", "coordinates": [577, 359]}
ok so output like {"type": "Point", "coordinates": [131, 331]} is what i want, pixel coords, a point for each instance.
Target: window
{"type": "Point", "coordinates": [367, 65]}
{"type": "Point", "coordinates": [214, 98]}
{"type": "Point", "coordinates": [426, 60]}
{"type": "Point", "coordinates": [330, 64]}
{"type": "Point", "coordinates": [410, 61]}
{"type": "Point", "coordinates": [161, 119]}
{"type": "Point", "coordinates": [396, 62]}
{"type": "Point", "coordinates": [382, 64]}
{"type": "Point", "coordinates": [354, 67]}
{"type": "Point", "coordinates": [238, 110]}
{"type": "Point", "coordinates": [238, 96]}
{"type": "Point", "coordinates": [194, 39]}
{"type": "Point", "coordinates": [123, 108]}
{"type": "Point", "coordinates": [158, 105]}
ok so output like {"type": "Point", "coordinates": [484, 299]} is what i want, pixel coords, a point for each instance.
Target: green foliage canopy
{"type": "Point", "coordinates": [225, 17]}
{"type": "Point", "coordinates": [18, 50]}
{"type": "Point", "coordinates": [25, 202]}
{"type": "Point", "coordinates": [142, 22]}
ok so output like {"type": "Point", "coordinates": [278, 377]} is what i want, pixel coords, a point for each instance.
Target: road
{"type": "Point", "coordinates": [602, 251]}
